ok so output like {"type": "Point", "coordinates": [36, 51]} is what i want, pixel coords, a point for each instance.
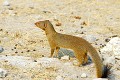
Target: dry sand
{"type": "Point", "coordinates": [20, 37]}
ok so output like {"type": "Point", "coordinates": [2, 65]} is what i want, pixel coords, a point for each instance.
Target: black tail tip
{"type": "Point", "coordinates": [106, 71]}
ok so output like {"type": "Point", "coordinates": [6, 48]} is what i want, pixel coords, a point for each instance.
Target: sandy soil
{"type": "Point", "coordinates": [20, 37]}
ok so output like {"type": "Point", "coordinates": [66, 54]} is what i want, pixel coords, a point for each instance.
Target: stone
{"type": "Point", "coordinates": [112, 47]}
{"type": "Point", "coordinates": [100, 79]}
{"type": "Point", "coordinates": [75, 62]}
{"type": "Point", "coordinates": [59, 78]}
{"type": "Point", "coordinates": [110, 60]}
{"type": "Point", "coordinates": [1, 49]}
{"type": "Point", "coordinates": [49, 62]}
{"type": "Point", "coordinates": [90, 38]}
{"type": "Point", "coordinates": [3, 73]}
{"type": "Point", "coordinates": [6, 3]}
{"type": "Point", "coordinates": [83, 75]}
{"type": "Point", "coordinates": [65, 58]}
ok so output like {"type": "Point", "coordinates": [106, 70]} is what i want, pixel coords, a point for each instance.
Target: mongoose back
{"type": "Point", "coordinates": [77, 44]}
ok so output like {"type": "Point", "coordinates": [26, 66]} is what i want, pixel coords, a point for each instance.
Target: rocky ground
{"type": "Point", "coordinates": [24, 48]}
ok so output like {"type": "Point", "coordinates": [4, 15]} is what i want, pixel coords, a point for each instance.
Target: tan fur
{"type": "Point", "coordinates": [77, 44]}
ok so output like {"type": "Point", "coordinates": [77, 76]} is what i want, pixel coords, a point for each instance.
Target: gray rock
{"type": "Point", "coordinates": [3, 73]}
{"type": "Point", "coordinates": [1, 49]}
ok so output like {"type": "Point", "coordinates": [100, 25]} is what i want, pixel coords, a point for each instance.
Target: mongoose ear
{"type": "Point", "coordinates": [45, 24]}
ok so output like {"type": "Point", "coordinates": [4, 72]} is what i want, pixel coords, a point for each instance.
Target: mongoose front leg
{"type": "Point", "coordinates": [57, 50]}
{"type": "Point", "coordinates": [52, 51]}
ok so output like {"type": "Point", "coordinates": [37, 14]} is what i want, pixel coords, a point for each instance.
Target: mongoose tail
{"type": "Point", "coordinates": [101, 70]}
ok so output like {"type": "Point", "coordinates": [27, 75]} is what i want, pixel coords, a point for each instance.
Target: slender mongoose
{"type": "Point", "coordinates": [77, 44]}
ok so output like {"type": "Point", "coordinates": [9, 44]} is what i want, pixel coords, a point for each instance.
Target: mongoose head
{"type": "Point", "coordinates": [42, 24]}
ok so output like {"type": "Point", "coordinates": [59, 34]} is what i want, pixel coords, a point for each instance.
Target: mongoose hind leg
{"type": "Point", "coordinates": [85, 58]}
{"type": "Point", "coordinates": [79, 54]}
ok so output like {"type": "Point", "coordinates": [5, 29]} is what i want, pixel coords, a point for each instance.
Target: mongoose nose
{"type": "Point", "coordinates": [35, 23]}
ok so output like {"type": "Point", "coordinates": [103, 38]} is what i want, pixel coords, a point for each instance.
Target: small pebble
{"type": "Point", "coordinates": [16, 52]}
{"type": "Point", "coordinates": [114, 36]}
{"type": "Point", "coordinates": [1, 49]}
{"type": "Point", "coordinates": [1, 29]}
{"type": "Point", "coordinates": [100, 79]}
{"type": "Point", "coordinates": [65, 58]}
{"type": "Point", "coordinates": [34, 60]}
{"type": "Point", "coordinates": [59, 78]}
{"type": "Point", "coordinates": [83, 75]}
{"type": "Point", "coordinates": [58, 24]}
{"type": "Point", "coordinates": [107, 40]}
{"type": "Point", "coordinates": [82, 32]}
{"type": "Point", "coordinates": [46, 11]}
{"type": "Point", "coordinates": [10, 8]}
{"type": "Point", "coordinates": [42, 55]}
{"type": "Point", "coordinates": [14, 47]}
{"type": "Point", "coordinates": [34, 50]}
{"type": "Point", "coordinates": [15, 44]}
{"type": "Point", "coordinates": [84, 23]}
{"type": "Point", "coordinates": [96, 44]}
{"type": "Point", "coordinates": [28, 50]}
{"type": "Point", "coordinates": [75, 62]}
{"type": "Point", "coordinates": [61, 30]}
{"type": "Point", "coordinates": [77, 17]}
{"type": "Point", "coordinates": [41, 40]}
{"type": "Point", "coordinates": [3, 73]}
{"type": "Point", "coordinates": [6, 3]}
{"type": "Point", "coordinates": [31, 7]}
{"type": "Point", "coordinates": [81, 27]}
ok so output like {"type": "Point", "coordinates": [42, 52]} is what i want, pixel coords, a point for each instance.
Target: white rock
{"type": "Point", "coordinates": [83, 75]}
{"type": "Point", "coordinates": [59, 78]}
{"type": "Point", "coordinates": [11, 13]}
{"type": "Point", "coordinates": [65, 58]}
{"type": "Point", "coordinates": [110, 60]}
{"type": "Point", "coordinates": [68, 64]}
{"type": "Point", "coordinates": [1, 49]}
{"type": "Point", "coordinates": [74, 76]}
{"type": "Point", "coordinates": [3, 73]}
{"type": "Point", "coordinates": [6, 3]}
{"type": "Point", "coordinates": [113, 46]}
{"type": "Point", "coordinates": [49, 62]}
{"type": "Point", "coordinates": [100, 79]}
{"type": "Point", "coordinates": [19, 61]}
{"type": "Point", "coordinates": [75, 62]}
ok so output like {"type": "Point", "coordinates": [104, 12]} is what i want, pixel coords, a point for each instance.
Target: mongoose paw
{"type": "Point", "coordinates": [50, 56]}
{"type": "Point", "coordinates": [56, 56]}
{"type": "Point", "coordinates": [77, 63]}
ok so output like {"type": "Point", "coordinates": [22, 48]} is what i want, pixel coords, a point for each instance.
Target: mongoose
{"type": "Point", "coordinates": [77, 44]}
